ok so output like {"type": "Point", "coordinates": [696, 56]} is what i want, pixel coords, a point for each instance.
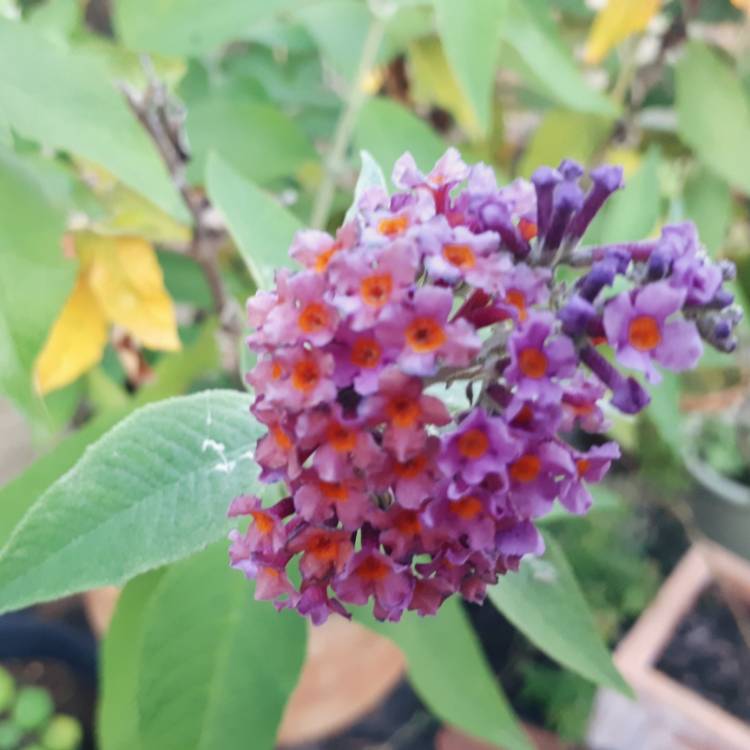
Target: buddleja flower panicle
{"type": "Point", "coordinates": [392, 494]}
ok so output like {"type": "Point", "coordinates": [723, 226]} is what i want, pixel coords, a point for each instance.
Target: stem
{"type": "Point", "coordinates": [152, 108]}
{"type": "Point", "coordinates": [345, 126]}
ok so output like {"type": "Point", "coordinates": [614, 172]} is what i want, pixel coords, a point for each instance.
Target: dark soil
{"type": "Point", "coordinates": [708, 655]}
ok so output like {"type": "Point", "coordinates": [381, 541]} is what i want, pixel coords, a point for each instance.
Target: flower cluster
{"type": "Point", "coordinates": [423, 377]}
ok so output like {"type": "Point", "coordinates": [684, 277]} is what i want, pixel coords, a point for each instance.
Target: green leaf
{"type": "Point", "coordinates": [713, 114]}
{"type": "Point", "coordinates": [191, 28]}
{"type": "Point", "coordinates": [708, 202]}
{"type": "Point", "coordinates": [257, 138]}
{"type": "Point", "coordinates": [450, 674]}
{"type": "Point", "coordinates": [153, 490]}
{"type": "Point", "coordinates": [325, 22]}
{"type": "Point", "coordinates": [433, 82]}
{"type": "Point", "coordinates": [53, 96]}
{"type": "Point", "coordinates": [262, 228]}
{"type": "Point", "coordinates": [547, 61]}
{"type": "Point", "coordinates": [632, 213]}
{"type": "Point", "coordinates": [172, 375]}
{"type": "Point", "coordinates": [370, 176]}
{"type": "Point", "coordinates": [469, 33]}
{"type": "Point", "coordinates": [35, 277]}
{"type": "Point", "coordinates": [544, 602]}
{"type": "Point", "coordinates": [117, 720]}
{"type": "Point", "coordinates": [216, 667]}
{"type": "Point", "coordinates": [564, 134]}
{"type": "Point", "coordinates": [387, 130]}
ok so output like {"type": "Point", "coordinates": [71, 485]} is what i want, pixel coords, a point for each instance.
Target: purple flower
{"type": "Point", "coordinates": [591, 467]}
{"type": "Point", "coordinates": [637, 328]}
{"type": "Point", "coordinates": [480, 446]}
{"type": "Point", "coordinates": [537, 356]}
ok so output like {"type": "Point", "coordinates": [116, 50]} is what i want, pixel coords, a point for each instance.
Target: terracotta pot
{"type": "Point", "coordinates": [667, 714]}
{"type": "Point", "coordinates": [348, 671]}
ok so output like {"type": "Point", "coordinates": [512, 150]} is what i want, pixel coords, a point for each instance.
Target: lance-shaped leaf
{"type": "Point", "coordinates": [151, 491]}
{"type": "Point", "coordinates": [216, 667]}
{"type": "Point", "coordinates": [615, 23]}
{"type": "Point", "coordinates": [262, 228]}
{"type": "Point", "coordinates": [370, 176]}
{"type": "Point", "coordinates": [543, 600]}
{"type": "Point", "coordinates": [449, 672]}
{"type": "Point", "coordinates": [469, 33]}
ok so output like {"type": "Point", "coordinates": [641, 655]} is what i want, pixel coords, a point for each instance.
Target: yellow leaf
{"type": "Point", "coordinates": [615, 22]}
{"type": "Point", "coordinates": [75, 343]}
{"type": "Point", "coordinates": [127, 281]}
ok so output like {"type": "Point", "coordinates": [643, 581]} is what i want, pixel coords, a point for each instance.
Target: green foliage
{"type": "Point", "coordinates": [264, 244]}
{"type": "Point", "coordinates": [545, 61]}
{"type": "Point", "coordinates": [449, 673]}
{"type": "Point", "coordinates": [191, 27]}
{"type": "Point", "coordinates": [65, 101]}
{"type": "Point", "coordinates": [153, 490]}
{"type": "Point", "coordinates": [244, 659]}
{"type": "Point", "coordinates": [544, 602]}
{"type": "Point", "coordinates": [713, 111]}
{"type": "Point", "coordinates": [470, 36]}
{"type": "Point", "coordinates": [30, 259]}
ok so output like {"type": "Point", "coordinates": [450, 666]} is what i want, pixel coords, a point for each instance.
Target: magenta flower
{"type": "Point", "coordinates": [404, 496]}
{"type": "Point", "coordinates": [373, 574]}
{"type": "Point", "coordinates": [638, 330]}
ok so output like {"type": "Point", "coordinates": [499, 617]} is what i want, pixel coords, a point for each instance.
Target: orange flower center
{"type": "Point", "coordinates": [281, 438]}
{"type": "Point", "coordinates": [322, 261]}
{"type": "Point", "coordinates": [305, 374]}
{"type": "Point", "coordinates": [314, 317]}
{"type": "Point", "coordinates": [342, 439]}
{"type": "Point", "coordinates": [461, 256]}
{"type": "Point", "coordinates": [407, 522]}
{"type": "Point", "coordinates": [582, 464]}
{"type": "Point", "coordinates": [533, 363]}
{"type": "Point", "coordinates": [517, 298]}
{"type": "Point", "coordinates": [411, 468]}
{"type": "Point", "coordinates": [643, 333]}
{"type": "Point", "coordinates": [424, 335]}
{"type": "Point", "coordinates": [525, 469]}
{"type": "Point", "coordinates": [403, 411]}
{"type": "Point", "coordinates": [334, 491]}
{"type": "Point", "coordinates": [324, 547]}
{"type": "Point", "coordinates": [263, 521]}
{"type": "Point", "coordinates": [393, 225]}
{"type": "Point", "coordinates": [372, 570]}
{"type": "Point", "coordinates": [467, 508]}
{"type": "Point", "coordinates": [473, 443]}
{"type": "Point", "coordinates": [376, 290]}
{"type": "Point", "coordinates": [365, 353]}
{"type": "Point", "coordinates": [276, 371]}
{"type": "Point", "coordinates": [528, 229]}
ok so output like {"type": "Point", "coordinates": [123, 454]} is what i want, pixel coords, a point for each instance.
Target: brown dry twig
{"type": "Point", "coordinates": [163, 119]}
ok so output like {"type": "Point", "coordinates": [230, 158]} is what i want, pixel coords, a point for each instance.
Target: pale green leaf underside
{"type": "Point", "coordinates": [151, 491]}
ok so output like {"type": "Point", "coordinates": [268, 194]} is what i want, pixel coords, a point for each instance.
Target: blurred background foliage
{"type": "Point", "coordinates": [125, 260]}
